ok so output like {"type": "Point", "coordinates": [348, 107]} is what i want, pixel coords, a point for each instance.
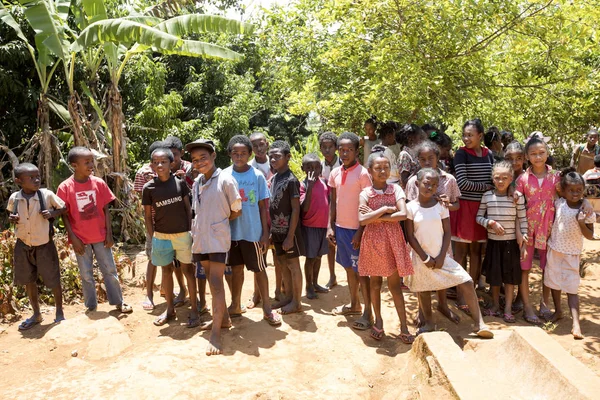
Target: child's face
{"type": "Point", "coordinates": [278, 160]}
{"type": "Point", "coordinates": [414, 141]}
{"type": "Point", "coordinates": [328, 149]}
{"type": "Point", "coordinates": [312, 166]}
{"type": "Point", "coordinates": [84, 165]}
{"type": "Point", "coordinates": [370, 130]}
{"type": "Point", "coordinates": [507, 138]}
{"type": "Point", "coordinates": [161, 164]}
{"type": "Point", "coordinates": [347, 151]}
{"type": "Point", "coordinates": [260, 147]}
{"type": "Point", "coordinates": [380, 170]}
{"type": "Point", "coordinates": [445, 153]}
{"type": "Point", "coordinates": [502, 179]}
{"type": "Point", "coordinates": [471, 138]}
{"type": "Point", "coordinates": [176, 157]}
{"type": "Point", "coordinates": [428, 159]}
{"type": "Point", "coordinates": [29, 181]}
{"type": "Point", "coordinates": [537, 155]}
{"type": "Point", "coordinates": [388, 140]}
{"type": "Point", "coordinates": [203, 160]}
{"type": "Point", "coordinates": [592, 139]}
{"type": "Point", "coordinates": [516, 158]}
{"type": "Point", "coordinates": [428, 186]}
{"type": "Point", "coordinates": [240, 154]}
{"type": "Point", "coordinates": [573, 192]}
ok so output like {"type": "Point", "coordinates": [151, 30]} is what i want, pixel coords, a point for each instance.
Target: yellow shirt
{"type": "Point", "coordinates": [32, 229]}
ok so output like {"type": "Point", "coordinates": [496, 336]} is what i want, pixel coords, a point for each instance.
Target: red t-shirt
{"type": "Point", "coordinates": [85, 207]}
{"type": "Point", "coordinates": [317, 215]}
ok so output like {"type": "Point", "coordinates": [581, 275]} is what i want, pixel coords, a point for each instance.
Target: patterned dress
{"type": "Point", "coordinates": [383, 249]}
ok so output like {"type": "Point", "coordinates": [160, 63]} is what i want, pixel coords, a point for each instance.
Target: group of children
{"type": "Point", "coordinates": [413, 214]}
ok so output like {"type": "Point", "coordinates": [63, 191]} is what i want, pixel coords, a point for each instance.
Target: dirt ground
{"type": "Point", "coordinates": [313, 354]}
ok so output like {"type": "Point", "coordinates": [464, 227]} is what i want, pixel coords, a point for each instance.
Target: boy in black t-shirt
{"type": "Point", "coordinates": [284, 209]}
{"type": "Point", "coordinates": [170, 231]}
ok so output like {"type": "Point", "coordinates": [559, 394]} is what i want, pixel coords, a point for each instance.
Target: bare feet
{"type": "Point", "coordinates": [448, 313]}
{"type": "Point", "coordinates": [332, 282]}
{"type": "Point", "coordinates": [207, 326]}
{"type": "Point", "coordinates": [419, 321]}
{"type": "Point", "coordinates": [214, 346]}
{"type": "Point", "coordinates": [321, 289]}
{"type": "Point", "coordinates": [235, 312]}
{"type": "Point", "coordinates": [310, 293]}
{"type": "Point", "coordinates": [284, 301]}
{"type": "Point", "coordinates": [576, 332]}
{"type": "Point", "coordinates": [291, 308]}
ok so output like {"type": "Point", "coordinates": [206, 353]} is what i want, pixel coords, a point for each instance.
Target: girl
{"type": "Point", "coordinates": [387, 132]}
{"type": "Point", "coordinates": [572, 224]}
{"type": "Point", "coordinates": [410, 136]}
{"type": "Point", "coordinates": [473, 167]}
{"type": "Point", "coordinates": [383, 251]}
{"type": "Point", "coordinates": [444, 142]}
{"type": "Point", "coordinates": [493, 141]}
{"type": "Point", "coordinates": [428, 232]}
{"type": "Point", "coordinates": [371, 139]}
{"type": "Point", "coordinates": [499, 214]}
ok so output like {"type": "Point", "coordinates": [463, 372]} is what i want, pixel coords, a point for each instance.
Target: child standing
{"type": "Point", "coordinates": [284, 209]}
{"type": "Point", "coordinates": [444, 142]}
{"type": "Point", "coordinates": [410, 135]}
{"type": "Point", "coordinates": [88, 224]}
{"type": "Point", "coordinates": [314, 198]}
{"type": "Point", "coordinates": [169, 228]}
{"type": "Point", "coordinates": [344, 230]}
{"type": "Point", "coordinates": [499, 215]}
{"type": "Point", "coordinates": [387, 134]}
{"type": "Point", "coordinates": [260, 147]}
{"type": "Point", "coordinates": [215, 201]}
{"type": "Point", "coordinates": [571, 225]}
{"type": "Point", "coordinates": [371, 139]}
{"type": "Point", "coordinates": [583, 156]}
{"type": "Point", "coordinates": [514, 153]}
{"type": "Point", "coordinates": [428, 232]}
{"type": "Point", "coordinates": [383, 250]}
{"type": "Point", "coordinates": [35, 252]}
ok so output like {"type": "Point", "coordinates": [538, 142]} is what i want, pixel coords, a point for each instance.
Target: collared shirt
{"type": "Point", "coordinates": [326, 167]}
{"type": "Point", "coordinates": [447, 185]}
{"type": "Point", "coordinates": [213, 202]}
{"type": "Point", "coordinates": [348, 183]}
{"type": "Point", "coordinates": [32, 228]}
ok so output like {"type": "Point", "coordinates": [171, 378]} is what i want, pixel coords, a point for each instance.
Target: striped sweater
{"type": "Point", "coordinates": [473, 173]}
{"type": "Point", "coordinates": [503, 210]}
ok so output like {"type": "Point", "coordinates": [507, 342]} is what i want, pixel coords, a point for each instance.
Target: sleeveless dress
{"type": "Point", "coordinates": [383, 249]}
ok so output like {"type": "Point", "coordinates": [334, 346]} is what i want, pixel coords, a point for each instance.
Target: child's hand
{"type": "Point", "coordinates": [390, 210]}
{"type": "Point", "coordinates": [430, 263]}
{"type": "Point", "coordinates": [581, 215]}
{"type": "Point", "coordinates": [13, 218]}
{"type": "Point", "coordinates": [439, 261]}
{"type": "Point", "coordinates": [311, 178]}
{"type": "Point", "coordinates": [47, 214]}
{"type": "Point", "coordinates": [264, 243]}
{"type": "Point", "coordinates": [331, 236]}
{"type": "Point", "coordinates": [587, 208]}
{"type": "Point", "coordinates": [444, 200]}
{"type": "Point", "coordinates": [149, 176]}
{"type": "Point", "coordinates": [288, 243]}
{"type": "Point", "coordinates": [356, 239]}
{"type": "Point", "coordinates": [180, 173]}
{"type": "Point", "coordinates": [78, 245]}
{"type": "Point", "coordinates": [496, 227]}
{"type": "Point", "coordinates": [364, 209]}
{"type": "Point", "coordinates": [516, 196]}
{"type": "Point", "coordinates": [523, 251]}
{"type": "Point", "coordinates": [511, 191]}
{"type": "Point", "coordinates": [109, 242]}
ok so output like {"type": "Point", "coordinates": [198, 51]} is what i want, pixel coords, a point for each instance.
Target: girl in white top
{"type": "Point", "coordinates": [428, 232]}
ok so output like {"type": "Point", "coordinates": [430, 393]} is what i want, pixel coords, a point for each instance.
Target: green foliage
{"type": "Point", "coordinates": [309, 145]}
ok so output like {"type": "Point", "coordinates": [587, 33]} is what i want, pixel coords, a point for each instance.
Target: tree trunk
{"type": "Point", "coordinates": [45, 161]}
{"type": "Point", "coordinates": [76, 120]}
{"type": "Point", "coordinates": [116, 118]}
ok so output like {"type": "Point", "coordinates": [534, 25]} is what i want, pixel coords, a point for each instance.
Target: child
{"type": "Point", "coordinates": [571, 225]}
{"type": "Point", "coordinates": [181, 168]}
{"type": "Point", "coordinates": [473, 167]}
{"type": "Point", "coordinates": [314, 199]}
{"type": "Point", "coordinates": [583, 156]}
{"type": "Point", "coordinates": [493, 142]}
{"type": "Point", "coordinates": [328, 147]}
{"type": "Point", "coordinates": [514, 153]}
{"type": "Point", "coordinates": [444, 142]}
{"type": "Point", "coordinates": [427, 154]}
{"type": "Point", "coordinates": [428, 232]}
{"type": "Point", "coordinates": [410, 135]}
{"type": "Point", "coordinates": [35, 251]}
{"type": "Point", "coordinates": [371, 139]}
{"type": "Point", "coordinates": [383, 250]}
{"type": "Point", "coordinates": [284, 209]}
{"type": "Point", "coordinates": [593, 175]}
{"type": "Point", "coordinates": [215, 201]}
{"type": "Point", "coordinates": [169, 228]}
{"type": "Point", "coordinates": [250, 231]}
{"type": "Point", "coordinates": [260, 147]}
{"type": "Point", "coordinates": [88, 224]}
{"type": "Point", "coordinates": [387, 134]}
{"type": "Point", "coordinates": [346, 183]}
{"type": "Point", "coordinates": [499, 215]}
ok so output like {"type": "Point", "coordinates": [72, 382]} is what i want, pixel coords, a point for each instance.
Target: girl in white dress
{"type": "Point", "coordinates": [428, 232]}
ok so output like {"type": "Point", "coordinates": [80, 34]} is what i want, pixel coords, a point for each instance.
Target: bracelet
{"type": "Point", "coordinates": [427, 259]}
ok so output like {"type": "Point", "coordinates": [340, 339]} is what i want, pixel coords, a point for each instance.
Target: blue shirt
{"type": "Point", "coordinates": [253, 188]}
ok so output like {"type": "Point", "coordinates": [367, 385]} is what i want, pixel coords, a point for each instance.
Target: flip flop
{"type": "Point", "coordinates": [163, 319]}
{"type": "Point", "coordinates": [203, 311]}
{"type": "Point", "coordinates": [344, 310]}
{"type": "Point", "coordinates": [532, 320]}
{"type": "Point", "coordinates": [464, 308]}
{"type": "Point", "coordinates": [361, 325]}
{"type": "Point", "coordinates": [423, 330]}
{"type": "Point", "coordinates": [546, 315]}
{"type": "Point", "coordinates": [406, 338]}
{"type": "Point", "coordinates": [193, 322]}
{"type": "Point", "coordinates": [489, 313]}
{"type": "Point", "coordinates": [147, 305]}
{"type": "Point", "coordinates": [124, 308]}
{"type": "Point", "coordinates": [178, 303]}
{"type": "Point", "coordinates": [377, 333]}
{"type": "Point", "coordinates": [485, 333]}
{"type": "Point", "coordinates": [30, 323]}
{"type": "Point", "coordinates": [509, 318]}
{"type": "Point", "coordinates": [273, 319]}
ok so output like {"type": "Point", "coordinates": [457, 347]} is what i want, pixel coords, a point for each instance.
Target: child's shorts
{"type": "Point", "coordinates": [243, 252]}
{"type": "Point", "coordinates": [562, 272]}
{"type": "Point", "coordinates": [29, 261]}
{"type": "Point", "coordinates": [315, 241]}
{"type": "Point", "coordinates": [214, 257]}
{"type": "Point", "coordinates": [346, 255]}
{"type": "Point", "coordinates": [169, 246]}
{"type": "Point", "coordinates": [527, 263]}
{"type": "Point", "coordinates": [297, 249]}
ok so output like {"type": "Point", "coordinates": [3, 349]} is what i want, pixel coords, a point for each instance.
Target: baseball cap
{"type": "Point", "coordinates": [204, 143]}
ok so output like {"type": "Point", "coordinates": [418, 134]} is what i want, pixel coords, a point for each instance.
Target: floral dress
{"type": "Point", "coordinates": [540, 205]}
{"type": "Point", "coordinates": [383, 249]}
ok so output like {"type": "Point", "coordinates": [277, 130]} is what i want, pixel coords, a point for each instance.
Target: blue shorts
{"type": "Point", "coordinates": [166, 247]}
{"type": "Point", "coordinates": [346, 255]}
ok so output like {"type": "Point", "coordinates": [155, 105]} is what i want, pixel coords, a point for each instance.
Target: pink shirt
{"type": "Point", "coordinates": [348, 184]}
{"type": "Point", "coordinates": [85, 207]}
{"type": "Point", "coordinates": [317, 215]}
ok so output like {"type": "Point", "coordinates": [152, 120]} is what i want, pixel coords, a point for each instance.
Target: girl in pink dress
{"type": "Point", "coordinates": [383, 251]}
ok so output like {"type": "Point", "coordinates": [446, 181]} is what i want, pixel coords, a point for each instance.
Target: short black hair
{"type": "Point", "coordinates": [597, 161]}
{"type": "Point", "coordinates": [408, 131]}
{"type": "Point", "coordinates": [515, 145]}
{"type": "Point", "coordinates": [475, 123]}
{"type": "Point", "coordinates": [173, 142]}
{"type": "Point", "coordinates": [429, 127]}
{"type": "Point", "coordinates": [492, 135]}
{"type": "Point", "coordinates": [239, 139]}
{"type": "Point", "coordinates": [427, 171]}
{"type": "Point", "coordinates": [310, 157]}
{"type": "Point", "coordinates": [325, 136]}
{"type": "Point", "coordinates": [570, 176]}
{"type": "Point", "coordinates": [164, 150]}
{"type": "Point", "coordinates": [281, 145]}
{"type": "Point", "coordinates": [372, 120]}
{"type": "Point", "coordinates": [349, 136]}
{"type": "Point", "coordinates": [23, 168]}
{"type": "Point", "coordinates": [76, 152]}
{"type": "Point", "coordinates": [156, 145]}
{"type": "Point", "coordinates": [592, 131]}
{"type": "Point", "coordinates": [427, 145]}
{"type": "Point", "coordinates": [387, 128]}
{"type": "Point", "coordinates": [254, 135]}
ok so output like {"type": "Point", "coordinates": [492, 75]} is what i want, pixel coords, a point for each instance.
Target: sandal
{"type": "Point", "coordinates": [147, 305]}
{"type": "Point", "coordinates": [273, 319]}
{"type": "Point", "coordinates": [464, 308]}
{"type": "Point", "coordinates": [163, 319]}
{"type": "Point", "coordinates": [344, 310]}
{"type": "Point", "coordinates": [532, 320]}
{"type": "Point", "coordinates": [178, 303]}
{"type": "Point", "coordinates": [30, 323]}
{"type": "Point", "coordinates": [406, 338]}
{"type": "Point", "coordinates": [423, 330]}
{"type": "Point", "coordinates": [362, 325]}
{"type": "Point", "coordinates": [124, 308]}
{"type": "Point", "coordinates": [377, 333]}
{"type": "Point", "coordinates": [509, 318]}
{"type": "Point", "coordinates": [203, 311]}
{"type": "Point", "coordinates": [489, 313]}
{"type": "Point", "coordinates": [193, 322]}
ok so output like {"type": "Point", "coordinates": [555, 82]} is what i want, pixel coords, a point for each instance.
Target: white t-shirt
{"type": "Point", "coordinates": [265, 168]}
{"type": "Point", "coordinates": [566, 235]}
{"type": "Point", "coordinates": [368, 146]}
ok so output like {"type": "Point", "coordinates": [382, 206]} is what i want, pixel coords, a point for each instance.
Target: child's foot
{"type": "Point", "coordinates": [207, 326]}
{"type": "Point", "coordinates": [517, 307]}
{"type": "Point", "coordinates": [164, 318]}
{"type": "Point", "coordinates": [406, 337]}
{"type": "Point", "coordinates": [281, 303]}
{"type": "Point", "coordinates": [545, 312]}
{"type": "Point", "coordinates": [148, 304]}
{"type": "Point", "coordinates": [236, 312]}
{"type": "Point", "coordinates": [377, 333]}
{"type": "Point", "coordinates": [447, 312]}
{"type": "Point", "coordinates": [214, 346]}
{"type": "Point", "coordinates": [310, 293]}
{"type": "Point", "coordinates": [425, 328]}
{"type": "Point", "coordinates": [346, 310]}
{"type": "Point", "coordinates": [253, 302]}
{"type": "Point", "coordinates": [362, 324]}
{"type": "Point", "coordinates": [492, 312]}
{"type": "Point", "coordinates": [557, 316]}
{"type": "Point", "coordinates": [576, 332]}
{"type": "Point", "coordinates": [60, 316]}
{"type": "Point", "coordinates": [332, 283]}
{"type": "Point", "coordinates": [291, 308]}
{"type": "Point", "coordinates": [124, 308]}
{"type": "Point", "coordinates": [321, 289]}
{"type": "Point", "coordinates": [202, 309]}
{"type": "Point", "coordinates": [30, 322]}
{"type": "Point", "coordinates": [274, 319]}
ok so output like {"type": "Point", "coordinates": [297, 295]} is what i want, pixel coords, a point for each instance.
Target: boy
{"type": "Point", "coordinates": [314, 198]}
{"type": "Point", "coordinates": [249, 232]}
{"type": "Point", "coordinates": [260, 147]}
{"type": "Point", "coordinates": [169, 228]}
{"type": "Point", "coordinates": [284, 208]}
{"type": "Point", "coordinates": [35, 251]}
{"type": "Point", "coordinates": [583, 156]}
{"type": "Point", "coordinates": [328, 147]}
{"type": "Point", "coordinates": [87, 222]}
{"type": "Point", "coordinates": [181, 168]}
{"type": "Point", "coordinates": [216, 201]}
{"type": "Point", "coordinates": [346, 183]}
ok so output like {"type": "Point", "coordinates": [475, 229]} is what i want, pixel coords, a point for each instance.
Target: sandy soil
{"type": "Point", "coordinates": [312, 354]}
